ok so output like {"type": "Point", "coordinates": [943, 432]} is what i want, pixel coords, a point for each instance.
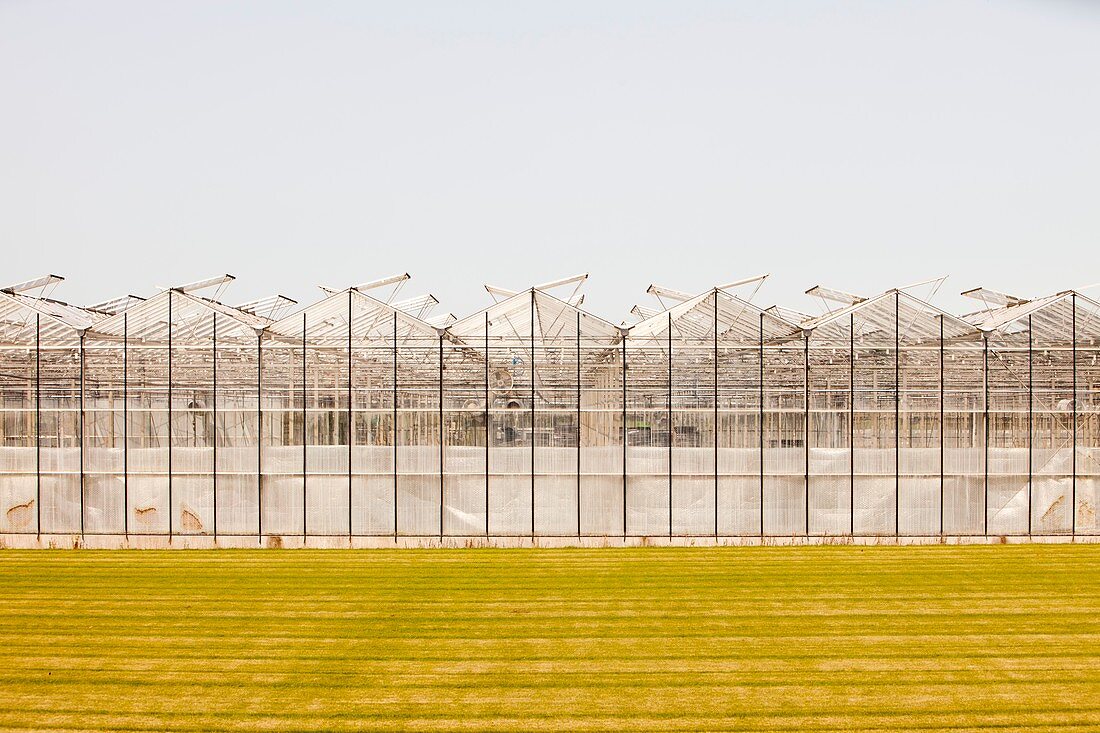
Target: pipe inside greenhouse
{"type": "Point", "coordinates": [178, 419]}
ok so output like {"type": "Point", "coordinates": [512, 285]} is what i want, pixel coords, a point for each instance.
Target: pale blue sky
{"type": "Point", "coordinates": [859, 145]}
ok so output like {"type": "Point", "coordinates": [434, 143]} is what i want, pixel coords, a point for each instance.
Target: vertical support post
{"type": "Point", "coordinates": [305, 431]}
{"type": "Point", "coordinates": [259, 438]}
{"type": "Point", "coordinates": [943, 425]}
{"type": "Point", "coordinates": [852, 424]}
{"type": "Point", "coordinates": [171, 506]}
{"type": "Point", "coordinates": [668, 404]}
{"type": "Point", "coordinates": [126, 428]}
{"type": "Point", "coordinates": [396, 432]}
{"type": "Point", "coordinates": [442, 436]}
{"type": "Point", "coordinates": [1073, 403]}
{"type": "Point", "coordinates": [351, 422]}
{"type": "Point", "coordinates": [761, 426]}
{"type": "Point", "coordinates": [985, 431]}
{"type": "Point", "coordinates": [486, 415]}
{"type": "Point", "coordinates": [714, 396]}
{"type": "Point", "coordinates": [1030, 423]}
{"type": "Point", "coordinates": [806, 421]}
{"type": "Point", "coordinates": [533, 440]}
{"type": "Point", "coordinates": [214, 406]}
{"type": "Point", "coordinates": [578, 423]}
{"type": "Point", "coordinates": [624, 430]}
{"type": "Point", "coordinates": [897, 415]}
{"type": "Point", "coordinates": [81, 431]}
{"type": "Point", "coordinates": [38, 423]}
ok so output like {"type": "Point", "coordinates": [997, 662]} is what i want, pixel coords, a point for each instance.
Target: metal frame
{"type": "Point", "coordinates": [684, 371]}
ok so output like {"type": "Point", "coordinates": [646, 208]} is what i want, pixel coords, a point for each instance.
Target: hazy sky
{"type": "Point", "coordinates": [860, 145]}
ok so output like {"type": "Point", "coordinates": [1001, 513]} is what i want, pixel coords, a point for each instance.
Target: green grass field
{"type": "Point", "coordinates": [777, 638]}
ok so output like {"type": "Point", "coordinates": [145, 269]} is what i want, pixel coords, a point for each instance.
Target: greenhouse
{"type": "Point", "coordinates": [178, 417]}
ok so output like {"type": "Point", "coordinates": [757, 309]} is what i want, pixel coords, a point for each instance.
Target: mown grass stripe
{"type": "Point", "coordinates": [776, 638]}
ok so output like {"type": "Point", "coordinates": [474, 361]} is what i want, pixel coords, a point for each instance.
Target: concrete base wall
{"type": "Point", "coordinates": [183, 542]}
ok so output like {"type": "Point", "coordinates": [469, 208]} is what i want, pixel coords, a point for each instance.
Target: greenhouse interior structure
{"type": "Point", "coordinates": [177, 418]}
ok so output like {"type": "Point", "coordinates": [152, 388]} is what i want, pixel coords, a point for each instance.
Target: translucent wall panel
{"type": "Point", "coordinates": [237, 465]}
{"type": "Point", "coordinates": [373, 465]}
{"type": "Point", "coordinates": [328, 481]}
{"type": "Point", "coordinates": [192, 422]}
{"type": "Point", "coordinates": [18, 432]}
{"type": "Point", "coordinates": [105, 424]}
{"type": "Point", "coordinates": [830, 431]}
{"type": "Point", "coordinates": [510, 436]}
{"type": "Point", "coordinates": [602, 437]}
{"type": "Point", "coordinates": [738, 434]}
{"type": "Point", "coordinates": [556, 419]}
{"type": "Point", "coordinates": [59, 435]}
{"type": "Point", "coordinates": [1053, 418]}
{"type": "Point", "coordinates": [694, 483]}
{"type": "Point", "coordinates": [919, 431]}
{"type": "Point", "coordinates": [1087, 489]}
{"type": "Point", "coordinates": [147, 436]}
{"type": "Point", "coordinates": [784, 438]}
{"type": "Point", "coordinates": [964, 437]}
{"type": "Point", "coordinates": [505, 335]}
{"type": "Point", "coordinates": [1009, 449]}
{"type": "Point", "coordinates": [419, 455]}
{"type": "Point", "coordinates": [283, 438]}
{"type": "Point", "coordinates": [874, 442]}
{"type": "Point", "coordinates": [648, 437]}
{"type": "Point", "coordinates": [465, 386]}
